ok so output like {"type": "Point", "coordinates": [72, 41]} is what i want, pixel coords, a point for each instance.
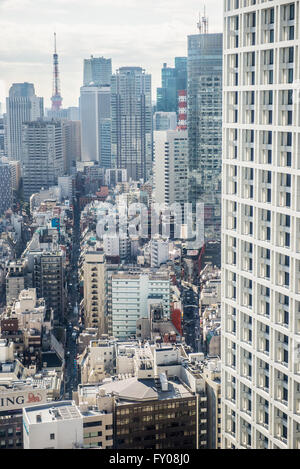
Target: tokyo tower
{"type": "Point", "coordinates": [56, 96]}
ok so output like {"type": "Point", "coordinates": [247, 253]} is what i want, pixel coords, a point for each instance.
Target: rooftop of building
{"type": "Point", "coordinates": [132, 389]}
{"type": "Point", "coordinates": [64, 410]}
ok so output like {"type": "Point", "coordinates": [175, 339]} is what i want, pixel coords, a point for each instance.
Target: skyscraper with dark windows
{"type": "Point", "coordinates": [131, 133]}
{"type": "Point", "coordinates": [204, 110]}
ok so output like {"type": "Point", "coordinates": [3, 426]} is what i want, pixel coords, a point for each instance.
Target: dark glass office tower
{"type": "Point", "coordinates": [204, 111]}
{"type": "Point", "coordinates": [181, 73]}
{"type": "Point", "coordinates": [131, 117]}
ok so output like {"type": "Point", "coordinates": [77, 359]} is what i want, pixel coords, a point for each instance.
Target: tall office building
{"type": "Point", "coordinates": [95, 117]}
{"type": "Point", "coordinates": [22, 105]}
{"type": "Point", "coordinates": [43, 155]}
{"type": "Point", "coordinates": [173, 80]}
{"type": "Point", "coordinates": [261, 226]}
{"type": "Point", "coordinates": [71, 131]}
{"type": "Point", "coordinates": [97, 71]}
{"type": "Point", "coordinates": [204, 110]}
{"type": "Point", "coordinates": [181, 73]}
{"type": "Point", "coordinates": [132, 122]}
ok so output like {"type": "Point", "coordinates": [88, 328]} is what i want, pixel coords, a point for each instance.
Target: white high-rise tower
{"type": "Point", "coordinates": [261, 225]}
{"type": "Point", "coordinates": [22, 105]}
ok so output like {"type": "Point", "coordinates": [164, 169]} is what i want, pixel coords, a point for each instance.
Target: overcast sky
{"type": "Point", "coordinates": [146, 33]}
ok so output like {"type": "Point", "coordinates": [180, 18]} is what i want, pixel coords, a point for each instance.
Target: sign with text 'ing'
{"type": "Point", "coordinates": [14, 400]}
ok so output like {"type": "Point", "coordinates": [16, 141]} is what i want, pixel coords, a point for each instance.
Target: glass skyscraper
{"type": "Point", "coordinates": [205, 127]}
{"type": "Point", "coordinates": [173, 80]}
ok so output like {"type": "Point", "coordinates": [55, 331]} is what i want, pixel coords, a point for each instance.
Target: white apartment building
{"type": "Point", "coordinates": [261, 225]}
{"type": "Point", "coordinates": [29, 310]}
{"type": "Point", "coordinates": [132, 293]}
{"type": "Point", "coordinates": [170, 167]}
{"type": "Point", "coordinates": [159, 251]}
{"type": "Point", "coordinates": [94, 269]}
{"type": "Point", "coordinates": [116, 246]}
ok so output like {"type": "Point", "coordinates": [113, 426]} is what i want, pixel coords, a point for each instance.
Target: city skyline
{"type": "Point", "coordinates": [26, 39]}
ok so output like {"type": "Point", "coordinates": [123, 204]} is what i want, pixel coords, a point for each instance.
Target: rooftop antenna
{"type": "Point", "coordinates": [199, 24]}
{"type": "Point", "coordinates": [203, 22]}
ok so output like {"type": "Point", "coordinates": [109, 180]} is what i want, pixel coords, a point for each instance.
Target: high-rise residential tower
{"type": "Point", "coordinates": [204, 111]}
{"type": "Point", "coordinates": [95, 291]}
{"type": "Point", "coordinates": [43, 153]}
{"type": "Point", "coordinates": [95, 117]}
{"type": "Point", "coordinates": [261, 226]}
{"type": "Point", "coordinates": [171, 167]}
{"type": "Point", "coordinates": [132, 121]}
{"type": "Point", "coordinates": [6, 191]}
{"type": "Point", "coordinates": [97, 71]}
{"type": "Point", "coordinates": [22, 105]}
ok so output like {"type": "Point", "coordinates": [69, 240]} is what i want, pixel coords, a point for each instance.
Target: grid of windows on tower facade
{"type": "Point", "coordinates": [261, 225]}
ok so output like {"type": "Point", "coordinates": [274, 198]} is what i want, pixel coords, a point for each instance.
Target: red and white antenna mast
{"type": "Point", "coordinates": [56, 96]}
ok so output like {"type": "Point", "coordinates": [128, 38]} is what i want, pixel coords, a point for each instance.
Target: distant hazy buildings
{"type": "Point", "coordinates": [132, 122]}
{"type": "Point", "coordinates": [70, 113]}
{"type": "Point", "coordinates": [97, 71]}
{"type": "Point", "coordinates": [95, 117]}
{"type": "Point", "coordinates": [22, 105]}
{"type": "Point", "coordinates": [173, 80]}
{"type": "Point", "coordinates": [204, 110]}
{"type": "Point", "coordinates": [164, 121]}
{"type": "Point", "coordinates": [2, 146]}
{"type": "Point", "coordinates": [43, 154]}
